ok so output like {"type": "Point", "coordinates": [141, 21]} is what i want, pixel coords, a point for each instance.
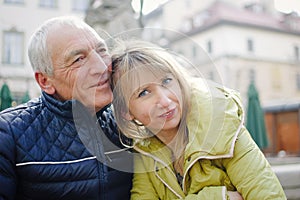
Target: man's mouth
{"type": "Point", "coordinates": [102, 82]}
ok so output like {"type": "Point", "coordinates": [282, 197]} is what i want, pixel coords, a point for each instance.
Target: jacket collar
{"type": "Point", "coordinates": [66, 108]}
{"type": "Point", "coordinates": [60, 108]}
{"type": "Point", "coordinates": [214, 121]}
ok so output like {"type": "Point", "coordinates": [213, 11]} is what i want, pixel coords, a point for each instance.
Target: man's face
{"type": "Point", "coordinates": [81, 66]}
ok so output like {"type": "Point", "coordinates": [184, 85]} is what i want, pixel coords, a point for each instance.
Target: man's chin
{"type": "Point", "coordinates": [103, 101]}
{"type": "Point", "coordinates": [97, 101]}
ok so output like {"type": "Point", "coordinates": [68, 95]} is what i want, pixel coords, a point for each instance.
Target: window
{"type": "Point", "coordinates": [250, 45]}
{"type": "Point", "coordinates": [194, 51]}
{"type": "Point", "coordinates": [48, 3]}
{"type": "Point", "coordinates": [80, 5]}
{"type": "Point", "coordinates": [296, 53]}
{"type": "Point", "coordinates": [209, 47]}
{"type": "Point", "coordinates": [14, 1]}
{"type": "Point", "coordinates": [252, 75]}
{"type": "Point", "coordinates": [13, 47]}
{"type": "Point", "coordinates": [298, 81]}
{"type": "Point", "coordinates": [187, 25]}
{"type": "Point", "coordinates": [211, 75]}
{"type": "Point", "coordinates": [276, 78]}
{"type": "Point", "coordinates": [187, 4]}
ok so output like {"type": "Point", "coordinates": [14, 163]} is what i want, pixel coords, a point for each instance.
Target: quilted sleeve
{"type": "Point", "coordinates": [250, 172]}
{"type": "Point", "coordinates": [8, 181]}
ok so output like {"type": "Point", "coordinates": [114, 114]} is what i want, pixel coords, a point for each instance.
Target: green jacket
{"type": "Point", "coordinates": [220, 155]}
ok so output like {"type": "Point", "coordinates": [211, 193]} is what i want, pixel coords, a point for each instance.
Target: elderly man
{"type": "Point", "coordinates": [64, 145]}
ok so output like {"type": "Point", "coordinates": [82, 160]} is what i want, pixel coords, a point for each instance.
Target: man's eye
{"type": "Point", "coordinates": [79, 59]}
{"type": "Point", "coordinates": [102, 50]}
{"type": "Point", "coordinates": [143, 93]}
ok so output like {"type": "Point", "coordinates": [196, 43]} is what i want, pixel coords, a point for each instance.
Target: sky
{"type": "Point", "coordinates": [285, 6]}
{"type": "Point", "coordinates": [149, 5]}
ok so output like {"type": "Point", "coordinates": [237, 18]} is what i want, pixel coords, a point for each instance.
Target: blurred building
{"type": "Point", "coordinates": [242, 41]}
{"type": "Point", "coordinates": [18, 20]}
{"type": "Point", "coordinates": [246, 41]}
{"type": "Point", "coordinates": [112, 16]}
{"type": "Point", "coordinates": [233, 42]}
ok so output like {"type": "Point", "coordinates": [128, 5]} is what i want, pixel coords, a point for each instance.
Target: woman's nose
{"type": "Point", "coordinates": [163, 97]}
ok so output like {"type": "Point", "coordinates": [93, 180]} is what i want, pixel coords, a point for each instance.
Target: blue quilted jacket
{"type": "Point", "coordinates": [52, 150]}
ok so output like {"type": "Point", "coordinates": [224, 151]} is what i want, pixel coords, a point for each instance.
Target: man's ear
{"type": "Point", "coordinates": [44, 82]}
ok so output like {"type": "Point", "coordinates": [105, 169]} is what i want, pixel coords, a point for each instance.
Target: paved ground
{"type": "Point", "coordinates": [287, 170]}
{"type": "Point", "coordinates": [274, 161]}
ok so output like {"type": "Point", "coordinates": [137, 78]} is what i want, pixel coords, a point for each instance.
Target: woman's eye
{"type": "Point", "coordinates": [166, 81]}
{"type": "Point", "coordinates": [143, 93]}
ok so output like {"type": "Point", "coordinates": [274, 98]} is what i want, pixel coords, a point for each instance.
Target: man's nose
{"type": "Point", "coordinates": [97, 63]}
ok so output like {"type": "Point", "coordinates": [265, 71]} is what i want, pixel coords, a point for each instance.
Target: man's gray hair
{"type": "Point", "coordinates": [38, 51]}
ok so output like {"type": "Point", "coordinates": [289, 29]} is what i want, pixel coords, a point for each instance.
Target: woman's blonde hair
{"type": "Point", "coordinates": [128, 56]}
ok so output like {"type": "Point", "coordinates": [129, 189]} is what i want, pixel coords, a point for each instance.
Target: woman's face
{"type": "Point", "coordinates": [156, 101]}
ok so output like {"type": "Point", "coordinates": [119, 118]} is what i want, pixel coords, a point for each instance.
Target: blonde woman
{"type": "Point", "coordinates": [189, 133]}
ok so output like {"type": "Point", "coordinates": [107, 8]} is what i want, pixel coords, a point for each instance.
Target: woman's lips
{"type": "Point", "coordinates": [169, 114]}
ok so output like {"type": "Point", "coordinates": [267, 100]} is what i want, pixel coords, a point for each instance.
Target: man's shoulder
{"type": "Point", "coordinates": [21, 111]}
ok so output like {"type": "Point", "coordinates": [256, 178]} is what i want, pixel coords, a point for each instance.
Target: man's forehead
{"type": "Point", "coordinates": [82, 40]}
{"type": "Point", "coordinates": [71, 30]}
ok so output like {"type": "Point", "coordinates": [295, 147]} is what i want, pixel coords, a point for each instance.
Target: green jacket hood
{"type": "Point", "coordinates": [214, 120]}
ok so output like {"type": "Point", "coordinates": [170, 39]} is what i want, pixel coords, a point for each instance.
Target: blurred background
{"type": "Point", "coordinates": [235, 42]}
{"type": "Point", "coordinates": [252, 46]}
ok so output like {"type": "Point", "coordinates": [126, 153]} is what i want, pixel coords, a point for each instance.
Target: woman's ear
{"type": "Point", "coordinates": [44, 82]}
{"type": "Point", "coordinates": [127, 116]}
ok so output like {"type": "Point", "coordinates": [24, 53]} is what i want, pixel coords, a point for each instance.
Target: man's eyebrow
{"type": "Point", "coordinates": [75, 52]}
{"type": "Point", "coordinates": [101, 45]}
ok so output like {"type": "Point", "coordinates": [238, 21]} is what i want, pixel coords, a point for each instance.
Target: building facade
{"type": "Point", "coordinates": [18, 20]}
{"type": "Point", "coordinates": [229, 41]}
{"type": "Point", "coordinates": [236, 42]}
